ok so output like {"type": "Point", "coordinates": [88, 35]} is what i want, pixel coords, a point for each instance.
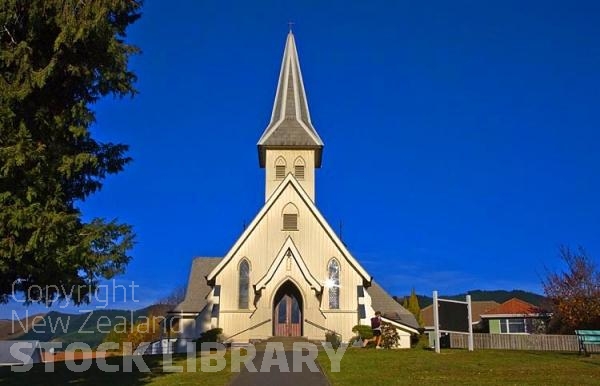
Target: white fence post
{"type": "Point", "coordinates": [470, 323]}
{"type": "Point", "coordinates": [436, 322]}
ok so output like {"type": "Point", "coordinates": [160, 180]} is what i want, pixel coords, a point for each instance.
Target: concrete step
{"type": "Point", "coordinates": [288, 342]}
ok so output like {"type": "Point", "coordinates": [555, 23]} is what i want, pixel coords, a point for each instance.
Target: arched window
{"type": "Point", "coordinates": [333, 276]}
{"type": "Point", "coordinates": [290, 217]}
{"type": "Point", "coordinates": [244, 282]}
{"type": "Point", "coordinates": [280, 165]}
{"type": "Point", "coordinates": [299, 168]}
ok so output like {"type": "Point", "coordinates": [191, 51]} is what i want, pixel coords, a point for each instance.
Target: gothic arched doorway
{"type": "Point", "coordinates": [287, 311]}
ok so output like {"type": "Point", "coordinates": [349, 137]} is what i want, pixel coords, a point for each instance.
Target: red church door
{"type": "Point", "coordinates": [287, 313]}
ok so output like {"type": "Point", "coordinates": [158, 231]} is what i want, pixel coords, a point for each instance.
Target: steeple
{"type": "Point", "coordinates": [290, 126]}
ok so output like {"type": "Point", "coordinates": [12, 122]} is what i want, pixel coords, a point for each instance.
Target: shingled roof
{"type": "Point", "coordinates": [290, 124]}
{"type": "Point", "coordinates": [390, 309]}
{"type": "Point", "coordinates": [197, 290]}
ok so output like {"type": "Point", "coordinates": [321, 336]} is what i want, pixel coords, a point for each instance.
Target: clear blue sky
{"type": "Point", "coordinates": [461, 137]}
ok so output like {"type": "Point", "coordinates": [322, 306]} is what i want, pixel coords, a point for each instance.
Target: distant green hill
{"type": "Point", "coordinates": [89, 327]}
{"type": "Point", "coordinates": [499, 296]}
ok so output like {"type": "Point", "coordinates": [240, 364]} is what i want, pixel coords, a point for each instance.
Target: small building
{"type": "Point", "coordinates": [515, 316]}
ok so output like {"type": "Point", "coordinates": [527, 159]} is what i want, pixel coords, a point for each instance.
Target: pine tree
{"type": "Point", "coordinates": [414, 307]}
{"type": "Point", "coordinates": [57, 57]}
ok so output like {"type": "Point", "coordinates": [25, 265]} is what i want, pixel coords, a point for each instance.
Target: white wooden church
{"type": "Point", "coordinates": [288, 274]}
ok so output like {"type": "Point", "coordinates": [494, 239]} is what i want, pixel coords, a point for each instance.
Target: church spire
{"type": "Point", "coordinates": [290, 126]}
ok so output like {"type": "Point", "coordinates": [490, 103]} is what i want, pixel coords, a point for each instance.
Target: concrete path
{"type": "Point", "coordinates": [272, 369]}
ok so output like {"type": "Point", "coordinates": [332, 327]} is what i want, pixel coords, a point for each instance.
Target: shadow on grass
{"type": "Point", "coordinates": [91, 374]}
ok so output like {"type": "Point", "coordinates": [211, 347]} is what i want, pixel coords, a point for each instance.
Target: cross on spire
{"type": "Point", "coordinates": [290, 24]}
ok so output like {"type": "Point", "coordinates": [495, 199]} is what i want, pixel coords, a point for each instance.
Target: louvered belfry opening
{"type": "Point", "coordinates": [299, 172]}
{"type": "Point", "coordinates": [280, 172]}
{"type": "Point", "coordinates": [290, 222]}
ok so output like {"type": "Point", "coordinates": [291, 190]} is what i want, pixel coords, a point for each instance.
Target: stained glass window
{"type": "Point", "coordinates": [334, 284]}
{"type": "Point", "coordinates": [282, 311]}
{"type": "Point", "coordinates": [244, 284]}
{"type": "Point", "coordinates": [295, 311]}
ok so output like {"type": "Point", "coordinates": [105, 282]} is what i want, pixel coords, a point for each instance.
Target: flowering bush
{"type": "Point", "coordinates": [389, 335]}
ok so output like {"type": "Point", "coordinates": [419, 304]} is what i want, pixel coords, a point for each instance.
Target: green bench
{"type": "Point", "coordinates": [586, 337]}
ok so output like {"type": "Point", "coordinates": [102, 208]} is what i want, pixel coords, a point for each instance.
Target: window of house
{"type": "Point", "coordinates": [280, 168]}
{"type": "Point", "coordinates": [516, 326]}
{"type": "Point", "coordinates": [299, 168]}
{"type": "Point", "coordinates": [244, 282]}
{"type": "Point", "coordinates": [512, 326]}
{"type": "Point", "coordinates": [333, 271]}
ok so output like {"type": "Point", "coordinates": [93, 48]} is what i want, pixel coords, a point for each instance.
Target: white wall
{"type": "Point", "coordinates": [290, 156]}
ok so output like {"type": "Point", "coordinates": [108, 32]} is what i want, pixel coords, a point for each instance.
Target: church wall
{"type": "Point", "coordinates": [290, 156]}
{"type": "Point", "coordinates": [261, 248]}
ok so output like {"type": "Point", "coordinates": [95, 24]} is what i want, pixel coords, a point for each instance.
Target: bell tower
{"type": "Point", "coordinates": [290, 143]}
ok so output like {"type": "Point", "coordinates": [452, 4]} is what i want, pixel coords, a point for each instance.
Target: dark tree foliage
{"type": "Point", "coordinates": [176, 296]}
{"type": "Point", "coordinates": [57, 57]}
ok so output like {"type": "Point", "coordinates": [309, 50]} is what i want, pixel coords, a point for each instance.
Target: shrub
{"type": "Point", "coordinates": [212, 335]}
{"type": "Point", "coordinates": [334, 338]}
{"type": "Point", "coordinates": [420, 342]}
{"type": "Point", "coordinates": [389, 336]}
{"type": "Point", "coordinates": [363, 332]}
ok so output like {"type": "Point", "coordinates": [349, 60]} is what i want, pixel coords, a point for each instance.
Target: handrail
{"type": "Point", "coordinates": [250, 328]}
{"type": "Point", "coordinates": [321, 327]}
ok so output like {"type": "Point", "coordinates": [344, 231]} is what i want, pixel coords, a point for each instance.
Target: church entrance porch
{"type": "Point", "coordinates": [287, 311]}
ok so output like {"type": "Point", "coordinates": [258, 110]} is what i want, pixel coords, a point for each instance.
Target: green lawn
{"type": "Point", "coordinates": [358, 367]}
{"type": "Point", "coordinates": [489, 367]}
{"type": "Point", "coordinates": [94, 376]}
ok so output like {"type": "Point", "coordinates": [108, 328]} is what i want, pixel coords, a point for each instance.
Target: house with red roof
{"type": "Point", "coordinates": [515, 316]}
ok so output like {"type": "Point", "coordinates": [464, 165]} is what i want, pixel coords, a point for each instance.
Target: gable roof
{"type": "Point", "coordinates": [197, 289]}
{"type": "Point", "coordinates": [477, 308]}
{"type": "Point", "coordinates": [288, 245]}
{"type": "Point", "coordinates": [512, 307]}
{"type": "Point", "coordinates": [290, 124]}
{"type": "Point", "coordinates": [403, 326]}
{"type": "Point", "coordinates": [291, 181]}
{"type": "Point", "coordinates": [390, 309]}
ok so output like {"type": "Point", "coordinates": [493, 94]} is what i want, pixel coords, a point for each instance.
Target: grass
{"type": "Point", "coordinates": [94, 376]}
{"type": "Point", "coordinates": [358, 367]}
{"type": "Point", "coordinates": [484, 367]}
